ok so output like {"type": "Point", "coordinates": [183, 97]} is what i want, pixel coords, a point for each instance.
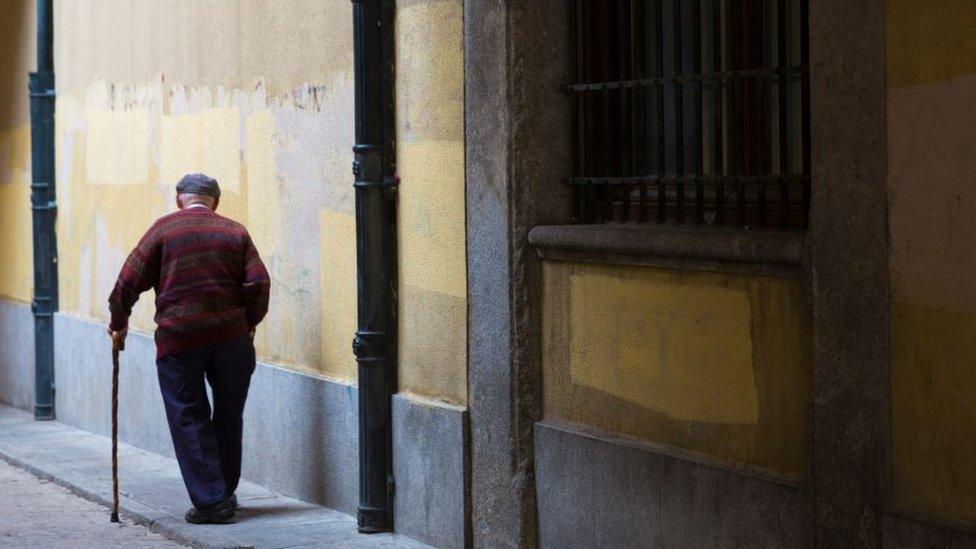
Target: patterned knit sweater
{"type": "Point", "coordinates": [210, 283]}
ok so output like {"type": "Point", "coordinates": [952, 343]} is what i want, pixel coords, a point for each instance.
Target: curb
{"type": "Point", "coordinates": [127, 507]}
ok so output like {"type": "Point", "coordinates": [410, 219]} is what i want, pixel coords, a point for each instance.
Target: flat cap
{"type": "Point", "coordinates": [198, 183]}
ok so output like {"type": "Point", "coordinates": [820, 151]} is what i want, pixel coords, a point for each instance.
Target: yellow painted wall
{"type": "Point", "coordinates": [714, 363]}
{"type": "Point", "coordinates": [258, 94]}
{"type": "Point", "coordinates": [931, 52]}
{"type": "Point", "coordinates": [17, 53]}
{"type": "Point", "coordinates": [430, 162]}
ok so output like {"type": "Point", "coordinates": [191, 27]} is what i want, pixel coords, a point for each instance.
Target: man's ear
{"type": "Point", "coordinates": [216, 203]}
{"type": "Point", "coordinates": [179, 205]}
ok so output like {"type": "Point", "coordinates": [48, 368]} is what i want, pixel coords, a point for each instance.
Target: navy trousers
{"type": "Point", "coordinates": [208, 447]}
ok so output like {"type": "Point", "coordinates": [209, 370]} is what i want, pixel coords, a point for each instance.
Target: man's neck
{"type": "Point", "coordinates": [197, 206]}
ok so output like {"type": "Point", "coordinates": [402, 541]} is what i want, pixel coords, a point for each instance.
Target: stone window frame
{"type": "Point", "coordinates": [517, 144]}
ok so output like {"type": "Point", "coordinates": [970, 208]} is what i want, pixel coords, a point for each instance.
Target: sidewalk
{"type": "Point", "coordinates": [37, 513]}
{"type": "Point", "coordinates": [152, 493]}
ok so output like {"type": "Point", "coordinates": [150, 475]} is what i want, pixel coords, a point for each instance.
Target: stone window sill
{"type": "Point", "coordinates": [697, 248]}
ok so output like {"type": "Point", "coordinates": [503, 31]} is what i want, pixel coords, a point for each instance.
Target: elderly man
{"type": "Point", "coordinates": [211, 292]}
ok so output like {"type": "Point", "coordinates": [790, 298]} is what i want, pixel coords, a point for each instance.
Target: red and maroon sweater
{"type": "Point", "coordinates": [210, 282]}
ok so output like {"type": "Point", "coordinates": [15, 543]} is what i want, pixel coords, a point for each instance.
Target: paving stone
{"type": "Point", "coordinates": [151, 493]}
{"type": "Point", "coordinates": [38, 513]}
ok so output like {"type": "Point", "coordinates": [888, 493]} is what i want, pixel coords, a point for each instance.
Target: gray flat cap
{"type": "Point", "coordinates": [198, 183]}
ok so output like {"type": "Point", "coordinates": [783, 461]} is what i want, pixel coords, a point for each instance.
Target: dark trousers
{"type": "Point", "coordinates": [208, 448]}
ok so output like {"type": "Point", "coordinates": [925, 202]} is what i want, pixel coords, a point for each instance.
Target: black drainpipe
{"type": "Point", "coordinates": [376, 248]}
{"type": "Point", "coordinates": [44, 210]}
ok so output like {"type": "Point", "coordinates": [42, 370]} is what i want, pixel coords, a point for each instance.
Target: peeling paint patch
{"type": "Point", "coordinates": [115, 145]}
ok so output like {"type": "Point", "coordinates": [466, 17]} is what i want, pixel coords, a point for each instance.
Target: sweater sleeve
{"type": "Point", "coordinates": [257, 285]}
{"type": "Point", "coordinates": [139, 273]}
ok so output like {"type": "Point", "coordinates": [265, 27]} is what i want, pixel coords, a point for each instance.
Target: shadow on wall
{"type": "Point", "coordinates": [16, 36]}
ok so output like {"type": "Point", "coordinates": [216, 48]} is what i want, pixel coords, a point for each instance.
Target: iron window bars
{"type": "Point", "coordinates": [692, 112]}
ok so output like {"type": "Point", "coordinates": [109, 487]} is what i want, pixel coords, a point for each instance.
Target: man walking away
{"type": "Point", "coordinates": [211, 292]}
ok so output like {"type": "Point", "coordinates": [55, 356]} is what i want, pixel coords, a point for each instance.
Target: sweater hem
{"type": "Point", "coordinates": [169, 344]}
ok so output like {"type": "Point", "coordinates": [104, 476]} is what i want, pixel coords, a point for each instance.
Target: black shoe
{"type": "Point", "coordinates": [214, 514]}
{"type": "Point", "coordinates": [233, 501]}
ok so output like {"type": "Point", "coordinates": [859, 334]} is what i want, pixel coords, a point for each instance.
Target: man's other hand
{"type": "Point", "coordinates": [118, 338]}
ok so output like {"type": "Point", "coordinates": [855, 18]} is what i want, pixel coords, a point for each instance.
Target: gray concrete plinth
{"type": "Point", "coordinates": [601, 492]}
{"type": "Point", "coordinates": [16, 355]}
{"type": "Point", "coordinates": [430, 472]}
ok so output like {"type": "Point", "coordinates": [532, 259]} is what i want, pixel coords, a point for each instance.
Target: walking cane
{"type": "Point", "coordinates": [118, 344]}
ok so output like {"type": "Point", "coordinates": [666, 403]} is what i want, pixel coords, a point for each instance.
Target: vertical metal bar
{"type": "Point", "coordinates": [589, 120]}
{"type": "Point", "coordinates": [805, 106]}
{"type": "Point", "coordinates": [662, 213]}
{"type": "Point", "coordinates": [785, 128]}
{"type": "Point", "coordinates": [624, 43]}
{"type": "Point", "coordinates": [579, 136]}
{"type": "Point", "coordinates": [633, 53]}
{"type": "Point", "coordinates": [43, 212]}
{"type": "Point", "coordinates": [736, 136]}
{"type": "Point", "coordinates": [718, 147]}
{"type": "Point", "coordinates": [679, 113]}
{"type": "Point", "coordinates": [606, 144]}
{"type": "Point", "coordinates": [697, 108]}
{"type": "Point", "coordinates": [762, 108]}
{"type": "Point", "coordinates": [375, 186]}
{"type": "Point", "coordinates": [642, 24]}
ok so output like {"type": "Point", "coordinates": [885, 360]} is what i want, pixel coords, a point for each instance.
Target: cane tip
{"type": "Point", "coordinates": [115, 517]}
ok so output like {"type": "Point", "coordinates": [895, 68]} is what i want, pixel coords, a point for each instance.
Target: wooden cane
{"type": "Point", "coordinates": [118, 344]}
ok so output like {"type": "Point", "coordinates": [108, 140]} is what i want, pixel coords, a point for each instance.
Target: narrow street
{"type": "Point", "coordinates": [37, 513]}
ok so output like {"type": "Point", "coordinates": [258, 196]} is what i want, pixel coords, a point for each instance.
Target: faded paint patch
{"type": "Point", "coordinates": [930, 42]}
{"type": "Point", "coordinates": [933, 413]}
{"type": "Point", "coordinates": [205, 142]}
{"type": "Point", "coordinates": [118, 125]}
{"type": "Point", "coordinates": [713, 363]}
{"type": "Point", "coordinates": [683, 349]}
{"type": "Point", "coordinates": [125, 134]}
{"type": "Point", "coordinates": [259, 152]}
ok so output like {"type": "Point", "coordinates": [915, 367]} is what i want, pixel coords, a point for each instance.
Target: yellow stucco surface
{"type": "Point", "coordinates": [930, 42]}
{"type": "Point", "coordinates": [933, 409]}
{"type": "Point", "coordinates": [148, 92]}
{"type": "Point", "coordinates": [430, 163]}
{"type": "Point", "coordinates": [931, 159]}
{"type": "Point", "coordinates": [713, 363]}
{"type": "Point", "coordinates": [683, 349]}
{"type": "Point", "coordinates": [16, 61]}
{"type": "Point", "coordinates": [213, 88]}
{"type": "Point", "coordinates": [16, 251]}
{"type": "Point", "coordinates": [122, 134]}
{"type": "Point", "coordinates": [338, 293]}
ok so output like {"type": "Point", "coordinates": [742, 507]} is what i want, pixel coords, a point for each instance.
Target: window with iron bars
{"type": "Point", "coordinates": [692, 112]}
